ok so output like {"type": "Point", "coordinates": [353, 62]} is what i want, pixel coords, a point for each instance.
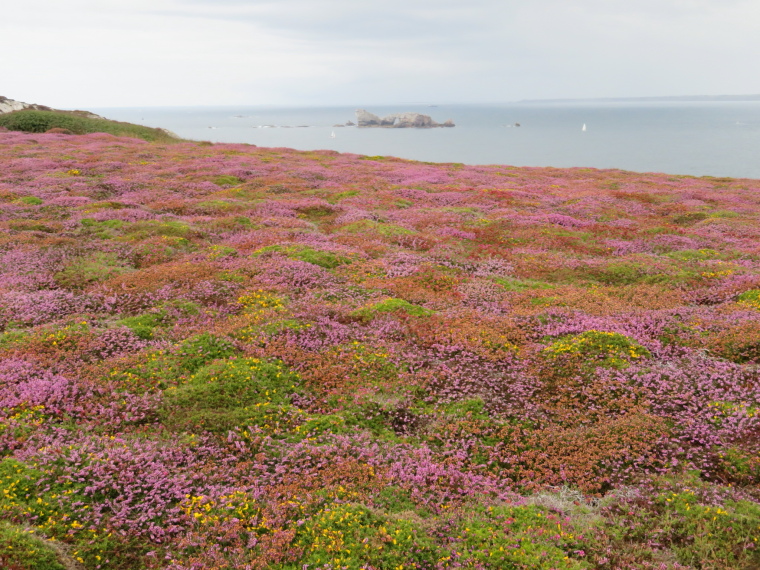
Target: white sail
{"type": "Point", "coordinates": [332, 135]}
{"type": "Point", "coordinates": [584, 127]}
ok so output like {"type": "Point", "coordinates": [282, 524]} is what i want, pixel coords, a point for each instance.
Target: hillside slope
{"type": "Point", "coordinates": [222, 356]}
{"type": "Point", "coordinates": [33, 118]}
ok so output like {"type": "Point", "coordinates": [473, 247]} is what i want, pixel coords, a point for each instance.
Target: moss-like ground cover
{"type": "Point", "coordinates": [228, 357]}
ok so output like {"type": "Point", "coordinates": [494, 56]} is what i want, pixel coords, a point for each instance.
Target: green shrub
{"type": "Point", "coordinates": [30, 200]}
{"type": "Point", "coordinates": [707, 536]}
{"type": "Point", "coordinates": [99, 229]}
{"type": "Point", "coordinates": [216, 207]}
{"type": "Point", "coordinates": [385, 230]}
{"type": "Point", "coordinates": [695, 254]}
{"type": "Point", "coordinates": [598, 348]}
{"type": "Point", "coordinates": [20, 497]}
{"type": "Point", "coordinates": [275, 327]}
{"type": "Point", "coordinates": [326, 259]}
{"type": "Point", "coordinates": [391, 306]}
{"type": "Point", "coordinates": [472, 408]}
{"type": "Point", "coordinates": [322, 424]}
{"type": "Point", "coordinates": [514, 284]}
{"type": "Point", "coordinates": [233, 393]}
{"type": "Point", "coordinates": [22, 550]}
{"type": "Point", "coordinates": [88, 270]}
{"type": "Point", "coordinates": [30, 226]}
{"type": "Point", "coordinates": [739, 465]}
{"type": "Point", "coordinates": [144, 325]}
{"type": "Point", "coordinates": [546, 302]}
{"type": "Point", "coordinates": [514, 538]}
{"type": "Point", "coordinates": [689, 218]}
{"type": "Point", "coordinates": [32, 121]}
{"type": "Point", "coordinates": [12, 337]}
{"type": "Point", "coordinates": [351, 537]}
{"type": "Point", "coordinates": [201, 349]}
{"type": "Point", "coordinates": [221, 251]}
{"type": "Point", "coordinates": [230, 223]}
{"type": "Point", "coordinates": [160, 369]}
{"type": "Point", "coordinates": [150, 228]}
{"type": "Point", "coordinates": [227, 180]}
{"type": "Point", "coordinates": [750, 298]}
{"type": "Point", "coordinates": [335, 198]}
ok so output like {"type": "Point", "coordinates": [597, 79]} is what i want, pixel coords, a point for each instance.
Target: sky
{"type": "Point", "coordinates": [133, 53]}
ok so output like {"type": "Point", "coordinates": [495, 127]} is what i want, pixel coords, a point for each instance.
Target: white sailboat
{"type": "Point", "coordinates": [332, 135]}
{"type": "Point", "coordinates": [584, 127]}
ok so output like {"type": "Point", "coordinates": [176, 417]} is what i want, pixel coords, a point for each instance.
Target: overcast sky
{"type": "Point", "coordinates": [100, 53]}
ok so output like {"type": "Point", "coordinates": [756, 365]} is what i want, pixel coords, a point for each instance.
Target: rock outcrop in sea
{"type": "Point", "coordinates": [399, 120]}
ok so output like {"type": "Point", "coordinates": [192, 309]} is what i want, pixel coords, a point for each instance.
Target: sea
{"type": "Point", "coordinates": [700, 138]}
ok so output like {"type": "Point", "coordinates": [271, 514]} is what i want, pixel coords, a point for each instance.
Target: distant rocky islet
{"type": "Point", "coordinates": [399, 120]}
{"type": "Point", "coordinates": [365, 119]}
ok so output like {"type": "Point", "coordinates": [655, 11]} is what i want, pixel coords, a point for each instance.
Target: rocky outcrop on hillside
{"type": "Point", "coordinates": [398, 120]}
{"type": "Point", "coordinates": [10, 105]}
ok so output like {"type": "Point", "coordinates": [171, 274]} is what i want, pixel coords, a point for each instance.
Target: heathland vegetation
{"type": "Point", "coordinates": [79, 123]}
{"type": "Point", "coordinates": [228, 357]}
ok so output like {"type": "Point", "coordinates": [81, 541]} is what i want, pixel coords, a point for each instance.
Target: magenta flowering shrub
{"type": "Point", "coordinates": [26, 386]}
{"type": "Point", "coordinates": [223, 356]}
{"type": "Point", "coordinates": [38, 307]}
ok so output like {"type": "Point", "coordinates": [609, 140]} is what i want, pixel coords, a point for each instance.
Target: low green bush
{"type": "Point", "coordinates": [20, 549]}
{"type": "Point", "coordinates": [689, 218]}
{"type": "Point", "coordinates": [32, 121]}
{"type": "Point", "coordinates": [698, 533]}
{"type": "Point", "coordinates": [144, 325]}
{"type": "Point", "coordinates": [99, 229]}
{"type": "Point", "coordinates": [88, 270]}
{"type": "Point", "coordinates": [337, 197]}
{"type": "Point", "coordinates": [326, 259]}
{"type": "Point", "coordinates": [227, 180]}
{"type": "Point", "coordinates": [514, 284]}
{"type": "Point", "coordinates": [234, 393]}
{"type": "Point", "coordinates": [352, 537]}
{"type": "Point", "coordinates": [391, 306]}
{"type": "Point", "coordinates": [517, 537]}
{"type": "Point", "coordinates": [29, 200]}
{"type": "Point", "coordinates": [371, 226]}
{"type": "Point", "coordinates": [150, 228]}
{"type": "Point", "coordinates": [750, 298]}
{"type": "Point", "coordinates": [201, 349]}
{"type": "Point", "coordinates": [598, 348]}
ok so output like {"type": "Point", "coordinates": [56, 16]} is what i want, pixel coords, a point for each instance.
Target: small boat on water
{"type": "Point", "coordinates": [583, 128]}
{"type": "Point", "coordinates": [332, 135]}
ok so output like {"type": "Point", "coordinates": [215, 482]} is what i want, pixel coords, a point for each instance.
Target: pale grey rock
{"type": "Point", "coordinates": [169, 133]}
{"type": "Point", "coordinates": [399, 120]}
{"type": "Point", "coordinates": [10, 105]}
{"type": "Point", "coordinates": [367, 119]}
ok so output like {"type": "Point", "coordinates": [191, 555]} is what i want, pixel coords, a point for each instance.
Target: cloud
{"type": "Point", "coordinates": [164, 52]}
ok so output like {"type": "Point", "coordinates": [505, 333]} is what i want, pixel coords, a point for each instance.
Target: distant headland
{"type": "Point", "coordinates": [674, 99]}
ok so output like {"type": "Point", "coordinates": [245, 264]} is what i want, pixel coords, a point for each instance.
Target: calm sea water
{"type": "Point", "coordinates": [712, 138]}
